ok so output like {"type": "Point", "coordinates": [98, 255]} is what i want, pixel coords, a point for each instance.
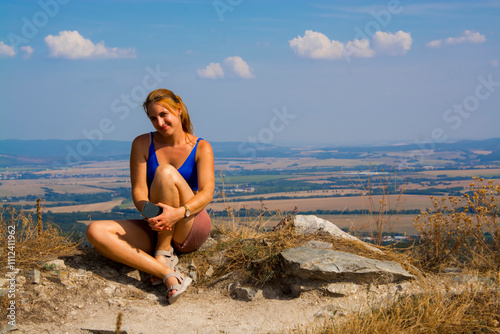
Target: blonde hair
{"type": "Point", "coordinates": [169, 100]}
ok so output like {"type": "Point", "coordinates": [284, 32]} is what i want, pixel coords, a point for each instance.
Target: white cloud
{"type": "Point", "coordinates": [468, 36]}
{"type": "Point", "coordinates": [434, 44]}
{"type": "Point", "coordinates": [72, 45]}
{"type": "Point", "coordinates": [392, 44]}
{"type": "Point", "coordinates": [6, 50]}
{"type": "Point", "coordinates": [28, 50]}
{"type": "Point", "coordinates": [238, 67]}
{"type": "Point", "coordinates": [359, 48]}
{"type": "Point", "coordinates": [212, 71]}
{"type": "Point", "coordinates": [230, 67]}
{"type": "Point", "coordinates": [317, 46]}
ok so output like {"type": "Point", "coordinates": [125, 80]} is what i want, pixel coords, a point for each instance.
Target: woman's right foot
{"type": "Point", "coordinates": [176, 285]}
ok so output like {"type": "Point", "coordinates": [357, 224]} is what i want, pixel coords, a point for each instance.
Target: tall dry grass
{"type": "Point", "coordinates": [456, 231]}
{"type": "Point", "coordinates": [30, 241]}
{"type": "Point", "coordinates": [476, 309]}
{"type": "Point", "coordinates": [461, 231]}
{"type": "Point", "coordinates": [383, 213]}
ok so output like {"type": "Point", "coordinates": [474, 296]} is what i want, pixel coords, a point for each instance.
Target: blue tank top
{"type": "Point", "coordinates": [187, 170]}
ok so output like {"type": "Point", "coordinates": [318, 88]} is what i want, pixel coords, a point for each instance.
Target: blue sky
{"type": "Point", "coordinates": [275, 72]}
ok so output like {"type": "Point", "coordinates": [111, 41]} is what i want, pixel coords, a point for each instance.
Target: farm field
{"type": "Point", "coordinates": [103, 207]}
{"type": "Point", "coordinates": [490, 172]}
{"type": "Point", "coordinates": [407, 202]}
{"type": "Point", "coordinates": [324, 181]}
{"type": "Point", "coordinates": [402, 224]}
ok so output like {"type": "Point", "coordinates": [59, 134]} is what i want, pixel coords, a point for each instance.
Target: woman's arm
{"type": "Point", "coordinates": [138, 170]}
{"type": "Point", "coordinates": [206, 184]}
{"type": "Point", "coordinates": [206, 178]}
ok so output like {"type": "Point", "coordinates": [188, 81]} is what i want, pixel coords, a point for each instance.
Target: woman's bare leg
{"type": "Point", "coordinates": [128, 242]}
{"type": "Point", "coordinates": [170, 188]}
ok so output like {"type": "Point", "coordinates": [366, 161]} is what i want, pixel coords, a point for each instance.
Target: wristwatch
{"type": "Point", "coordinates": [188, 212]}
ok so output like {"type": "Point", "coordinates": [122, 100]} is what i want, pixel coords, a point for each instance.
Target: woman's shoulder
{"type": "Point", "coordinates": [145, 137]}
{"type": "Point", "coordinates": [204, 145]}
{"type": "Point", "coordinates": [141, 142]}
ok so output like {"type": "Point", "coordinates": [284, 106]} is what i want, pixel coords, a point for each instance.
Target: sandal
{"type": "Point", "coordinates": [184, 282]}
{"type": "Point", "coordinates": [172, 261]}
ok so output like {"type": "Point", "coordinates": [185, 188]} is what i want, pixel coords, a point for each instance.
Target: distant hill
{"type": "Point", "coordinates": [15, 152]}
{"type": "Point", "coordinates": [66, 152]}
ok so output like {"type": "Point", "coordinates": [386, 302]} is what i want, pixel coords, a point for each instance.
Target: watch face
{"type": "Point", "coordinates": [187, 213]}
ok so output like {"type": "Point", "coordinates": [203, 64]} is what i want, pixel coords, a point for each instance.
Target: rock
{"type": "Point", "coordinates": [135, 274]}
{"type": "Point", "coordinates": [222, 278]}
{"type": "Point", "coordinates": [55, 265]}
{"type": "Point", "coordinates": [108, 272]}
{"type": "Point", "coordinates": [192, 270]}
{"type": "Point", "coordinates": [151, 297]}
{"type": "Point", "coordinates": [209, 243]}
{"type": "Point", "coordinates": [8, 328]}
{"type": "Point", "coordinates": [329, 311]}
{"type": "Point", "coordinates": [318, 244]}
{"type": "Point", "coordinates": [217, 260]}
{"type": "Point", "coordinates": [56, 280]}
{"type": "Point", "coordinates": [330, 266]}
{"type": "Point", "coordinates": [20, 280]}
{"type": "Point", "coordinates": [81, 273]}
{"type": "Point", "coordinates": [109, 291]}
{"type": "Point", "coordinates": [210, 272]}
{"type": "Point", "coordinates": [311, 225]}
{"type": "Point", "coordinates": [33, 276]}
{"type": "Point", "coordinates": [242, 293]}
{"type": "Point", "coordinates": [342, 289]}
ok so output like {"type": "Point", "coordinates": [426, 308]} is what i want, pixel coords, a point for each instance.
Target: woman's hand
{"type": "Point", "coordinates": [167, 219]}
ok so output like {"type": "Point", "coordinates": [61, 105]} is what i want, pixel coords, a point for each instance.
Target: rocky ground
{"type": "Point", "coordinates": [85, 293]}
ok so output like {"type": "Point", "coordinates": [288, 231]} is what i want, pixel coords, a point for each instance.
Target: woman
{"type": "Point", "coordinates": [174, 169]}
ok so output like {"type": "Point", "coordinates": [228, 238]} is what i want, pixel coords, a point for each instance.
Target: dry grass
{"type": "Point", "coordinates": [476, 309]}
{"type": "Point", "coordinates": [462, 231]}
{"type": "Point", "coordinates": [436, 303]}
{"type": "Point", "coordinates": [32, 244]}
{"type": "Point", "coordinates": [453, 233]}
{"type": "Point", "coordinates": [382, 209]}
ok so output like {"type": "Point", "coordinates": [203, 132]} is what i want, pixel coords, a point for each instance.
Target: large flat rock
{"type": "Point", "coordinates": [334, 266]}
{"type": "Point", "coordinates": [310, 224]}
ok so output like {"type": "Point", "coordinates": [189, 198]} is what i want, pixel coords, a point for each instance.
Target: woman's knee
{"type": "Point", "coordinates": [167, 172]}
{"type": "Point", "coordinates": [96, 230]}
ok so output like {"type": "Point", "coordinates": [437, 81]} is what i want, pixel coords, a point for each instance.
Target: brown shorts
{"type": "Point", "coordinates": [198, 235]}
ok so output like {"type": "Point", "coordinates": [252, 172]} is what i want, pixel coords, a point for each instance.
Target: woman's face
{"type": "Point", "coordinates": [164, 121]}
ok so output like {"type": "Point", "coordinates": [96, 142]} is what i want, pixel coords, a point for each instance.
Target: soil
{"type": "Point", "coordinates": [88, 295]}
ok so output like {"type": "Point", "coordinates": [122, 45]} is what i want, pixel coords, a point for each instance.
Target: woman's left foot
{"type": "Point", "coordinates": [168, 258]}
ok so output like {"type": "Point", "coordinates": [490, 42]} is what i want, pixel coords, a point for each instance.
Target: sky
{"type": "Point", "coordinates": [310, 73]}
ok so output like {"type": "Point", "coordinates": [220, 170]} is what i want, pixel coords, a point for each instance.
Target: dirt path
{"type": "Point", "coordinates": [196, 312]}
{"type": "Point", "coordinates": [88, 292]}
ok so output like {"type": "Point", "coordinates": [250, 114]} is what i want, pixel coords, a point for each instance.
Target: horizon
{"type": "Point", "coordinates": [278, 73]}
{"type": "Point", "coordinates": [388, 143]}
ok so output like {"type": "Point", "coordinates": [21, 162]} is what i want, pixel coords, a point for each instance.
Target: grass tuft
{"type": "Point", "coordinates": [33, 244]}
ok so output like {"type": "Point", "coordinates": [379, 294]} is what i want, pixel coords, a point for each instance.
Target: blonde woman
{"type": "Point", "coordinates": [173, 169]}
